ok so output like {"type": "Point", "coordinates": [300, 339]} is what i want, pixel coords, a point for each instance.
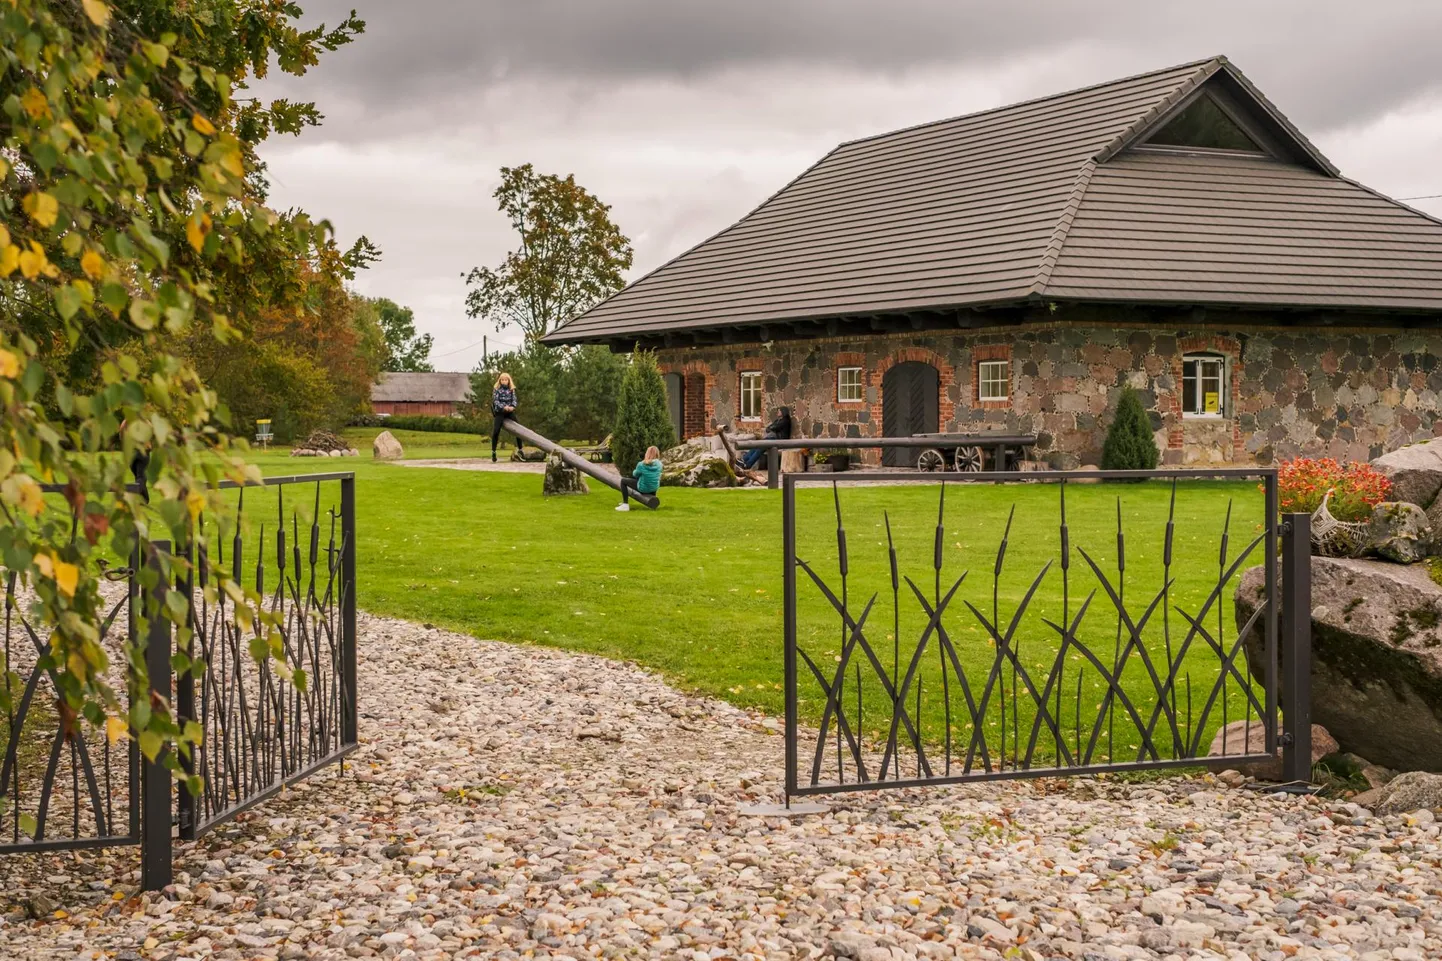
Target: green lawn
{"type": "Point", "coordinates": [695, 589]}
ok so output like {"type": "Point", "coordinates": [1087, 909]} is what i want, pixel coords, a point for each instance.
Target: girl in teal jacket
{"type": "Point", "coordinates": [646, 478]}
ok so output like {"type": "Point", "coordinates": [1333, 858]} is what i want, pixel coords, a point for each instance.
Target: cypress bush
{"type": "Point", "coordinates": [641, 415]}
{"type": "Point", "coordinates": [1130, 444]}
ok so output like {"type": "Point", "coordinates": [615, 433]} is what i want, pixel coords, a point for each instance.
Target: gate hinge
{"type": "Point", "coordinates": [1285, 527]}
{"type": "Point", "coordinates": [1285, 739]}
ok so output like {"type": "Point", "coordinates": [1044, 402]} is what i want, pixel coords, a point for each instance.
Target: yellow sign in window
{"type": "Point", "coordinates": [1212, 403]}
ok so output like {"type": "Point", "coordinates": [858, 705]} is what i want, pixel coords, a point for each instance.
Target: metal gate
{"type": "Point", "coordinates": [946, 662]}
{"type": "Point", "coordinates": [262, 727]}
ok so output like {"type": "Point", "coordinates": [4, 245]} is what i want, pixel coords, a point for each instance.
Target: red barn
{"type": "Point", "coordinates": [434, 394]}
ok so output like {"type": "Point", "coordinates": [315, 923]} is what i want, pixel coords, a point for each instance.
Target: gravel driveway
{"type": "Point", "coordinates": [514, 802]}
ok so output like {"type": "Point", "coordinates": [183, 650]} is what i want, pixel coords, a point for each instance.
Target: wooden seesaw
{"type": "Point", "coordinates": [574, 460]}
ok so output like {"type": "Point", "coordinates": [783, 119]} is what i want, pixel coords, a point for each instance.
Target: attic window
{"type": "Point", "coordinates": [1204, 124]}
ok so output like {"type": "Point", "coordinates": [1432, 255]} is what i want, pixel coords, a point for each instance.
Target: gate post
{"type": "Point", "coordinates": [156, 867]}
{"type": "Point", "coordinates": [349, 716]}
{"type": "Point", "coordinates": [773, 468]}
{"type": "Point", "coordinates": [1296, 642]}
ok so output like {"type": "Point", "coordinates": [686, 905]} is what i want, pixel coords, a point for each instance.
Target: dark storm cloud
{"type": "Point", "coordinates": [1327, 62]}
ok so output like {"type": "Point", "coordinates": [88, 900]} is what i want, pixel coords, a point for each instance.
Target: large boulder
{"type": "Point", "coordinates": [1404, 794]}
{"type": "Point", "coordinates": [1415, 472]}
{"type": "Point", "coordinates": [1376, 657]}
{"type": "Point", "coordinates": [561, 478]}
{"type": "Point", "coordinates": [699, 462]}
{"type": "Point", "coordinates": [386, 447]}
{"type": "Point", "coordinates": [1399, 531]}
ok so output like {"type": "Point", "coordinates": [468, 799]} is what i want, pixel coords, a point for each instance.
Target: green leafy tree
{"type": "Point", "coordinates": [641, 416]}
{"type": "Point", "coordinates": [1130, 444]}
{"type": "Point", "coordinates": [407, 350]}
{"type": "Point", "coordinates": [132, 214]}
{"type": "Point", "coordinates": [538, 373]}
{"type": "Point", "coordinates": [589, 390]}
{"type": "Point", "coordinates": [570, 256]}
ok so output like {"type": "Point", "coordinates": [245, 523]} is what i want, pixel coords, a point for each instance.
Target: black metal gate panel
{"type": "Point", "coordinates": [266, 721]}
{"type": "Point", "coordinates": [272, 722]}
{"type": "Point", "coordinates": [945, 663]}
{"type": "Point", "coordinates": [910, 404]}
{"type": "Point", "coordinates": [62, 786]}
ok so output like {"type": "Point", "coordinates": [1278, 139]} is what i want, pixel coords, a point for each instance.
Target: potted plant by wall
{"type": "Point", "coordinates": [840, 460]}
{"type": "Point", "coordinates": [822, 461]}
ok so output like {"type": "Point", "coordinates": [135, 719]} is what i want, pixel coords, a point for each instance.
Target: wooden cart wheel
{"type": "Point", "coordinates": [931, 459]}
{"type": "Point", "coordinates": [969, 459]}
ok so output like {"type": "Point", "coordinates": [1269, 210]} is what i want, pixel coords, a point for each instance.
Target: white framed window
{"type": "Point", "coordinates": [993, 380]}
{"type": "Point", "coordinates": [1204, 385]}
{"type": "Point", "coordinates": [848, 385]}
{"type": "Point", "coordinates": [751, 395]}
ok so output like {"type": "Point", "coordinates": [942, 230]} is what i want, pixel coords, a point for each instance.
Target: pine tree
{"type": "Point", "coordinates": [1130, 444]}
{"type": "Point", "coordinates": [641, 415]}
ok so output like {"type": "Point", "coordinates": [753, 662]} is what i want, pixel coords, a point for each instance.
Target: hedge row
{"type": "Point", "coordinates": [435, 424]}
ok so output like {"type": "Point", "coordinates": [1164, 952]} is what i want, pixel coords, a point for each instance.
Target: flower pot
{"type": "Point", "coordinates": [839, 462]}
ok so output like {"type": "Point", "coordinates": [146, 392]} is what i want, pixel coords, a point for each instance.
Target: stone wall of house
{"type": "Point", "coordinates": [1349, 394]}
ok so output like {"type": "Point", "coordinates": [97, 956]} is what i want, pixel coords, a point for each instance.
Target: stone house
{"type": "Point", "coordinates": [1013, 269]}
{"type": "Point", "coordinates": [438, 394]}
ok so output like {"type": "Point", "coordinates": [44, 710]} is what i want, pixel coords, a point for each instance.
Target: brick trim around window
{"type": "Point", "coordinates": [1229, 348]}
{"type": "Point", "coordinates": [985, 352]}
{"type": "Point", "coordinates": [847, 359]}
{"type": "Point", "coordinates": [750, 365]}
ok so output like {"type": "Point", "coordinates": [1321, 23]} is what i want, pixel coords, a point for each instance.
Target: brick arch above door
{"type": "Point", "coordinates": [698, 409]}
{"type": "Point", "coordinates": [946, 383]}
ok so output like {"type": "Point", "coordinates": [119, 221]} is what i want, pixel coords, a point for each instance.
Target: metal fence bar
{"type": "Point", "coordinates": [349, 711]}
{"type": "Point", "coordinates": [788, 580]}
{"type": "Point", "coordinates": [1296, 689]}
{"type": "Point", "coordinates": [156, 866]}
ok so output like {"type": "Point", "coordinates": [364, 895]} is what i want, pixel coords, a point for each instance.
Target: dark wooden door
{"type": "Point", "coordinates": [673, 403]}
{"type": "Point", "coordinates": [910, 402]}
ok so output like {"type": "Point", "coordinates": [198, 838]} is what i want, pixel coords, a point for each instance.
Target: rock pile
{"type": "Point", "coordinates": [323, 443]}
{"type": "Point", "coordinates": [699, 462]}
{"type": "Point", "coordinates": [1416, 475]}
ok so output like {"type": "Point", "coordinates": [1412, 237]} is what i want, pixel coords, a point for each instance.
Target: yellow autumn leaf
{"type": "Point", "coordinates": [97, 11]}
{"type": "Point", "coordinates": [32, 499]}
{"type": "Point", "coordinates": [42, 208]}
{"type": "Point", "coordinates": [9, 365]}
{"type": "Point", "coordinates": [116, 730]}
{"type": "Point", "coordinates": [93, 265]}
{"type": "Point", "coordinates": [195, 503]}
{"type": "Point", "coordinates": [202, 125]}
{"type": "Point", "coordinates": [34, 104]}
{"type": "Point", "coordinates": [9, 259]}
{"type": "Point", "coordinates": [196, 228]}
{"type": "Point", "coordinates": [46, 564]}
{"type": "Point", "coordinates": [4, 236]}
{"type": "Point", "coordinates": [67, 577]}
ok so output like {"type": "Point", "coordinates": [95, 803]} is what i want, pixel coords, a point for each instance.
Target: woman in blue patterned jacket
{"type": "Point", "coordinates": [503, 405]}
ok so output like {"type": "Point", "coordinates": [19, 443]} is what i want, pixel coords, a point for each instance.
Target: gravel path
{"type": "Point", "coordinates": [514, 802]}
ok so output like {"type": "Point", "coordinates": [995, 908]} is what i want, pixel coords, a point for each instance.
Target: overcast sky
{"type": "Point", "coordinates": [684, 114]}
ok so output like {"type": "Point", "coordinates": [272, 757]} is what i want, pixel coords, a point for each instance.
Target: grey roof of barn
{"type": "Point", "coordinates": [1057, 199]}
{"type": "Point", "coordinates": [421, 387]}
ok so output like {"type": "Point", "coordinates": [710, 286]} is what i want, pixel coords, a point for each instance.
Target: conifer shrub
{"type": "Point", "coordinates": [641, 415]}
{"type": "Point", "coordinates": [1130, 444]}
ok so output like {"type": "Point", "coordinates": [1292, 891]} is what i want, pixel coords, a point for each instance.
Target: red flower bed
{"type": "Point", "coordinates": [1356, 487]}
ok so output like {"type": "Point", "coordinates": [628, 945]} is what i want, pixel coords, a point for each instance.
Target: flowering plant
{"type": "Point", "coordinates": [1356, 487]}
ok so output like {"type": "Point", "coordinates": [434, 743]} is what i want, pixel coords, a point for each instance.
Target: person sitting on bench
{"type": "Point", "coordinates": [778, 429]}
